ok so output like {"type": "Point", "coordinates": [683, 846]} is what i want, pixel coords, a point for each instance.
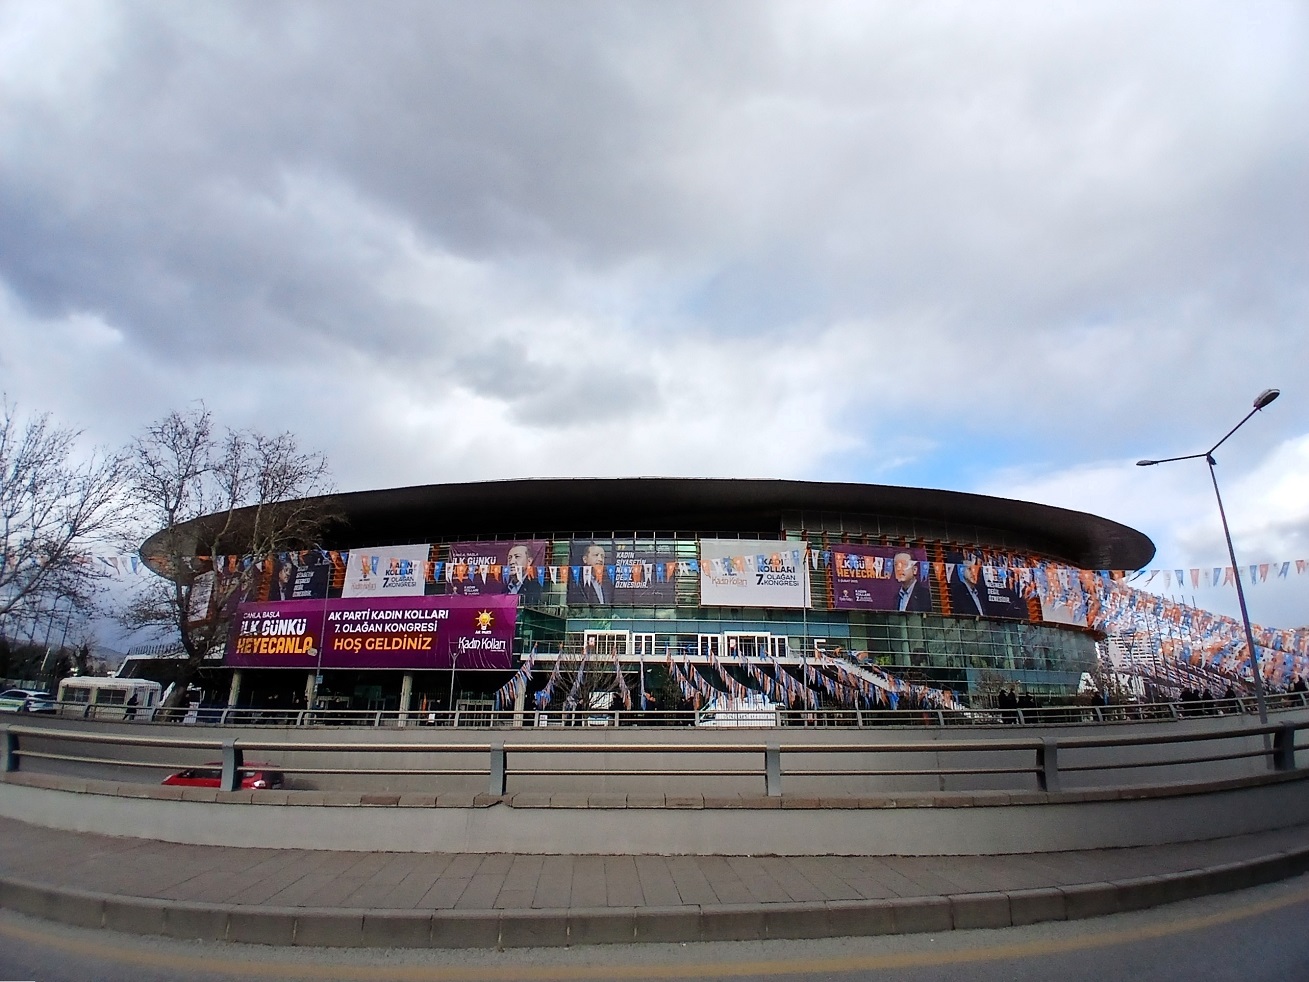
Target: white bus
{"type": "Point", "coordinates": [108, 698]}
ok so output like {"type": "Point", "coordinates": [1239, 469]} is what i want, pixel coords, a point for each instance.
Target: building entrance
{"type": "Point", "coordinates": [743, 646]}
{"type": "Point", "coordinates": [608, 645]}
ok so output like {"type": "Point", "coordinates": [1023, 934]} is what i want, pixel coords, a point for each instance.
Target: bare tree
{"type": "Point", "coordinates": [53, 509]}
{"type": "Point", "coordinates": [986, 693]}
{"type": "Point", "coordinates": [578, 685]}
{"type": "Point", "coordinates": [240, 494]}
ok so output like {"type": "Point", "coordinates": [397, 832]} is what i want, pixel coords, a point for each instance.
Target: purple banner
{"type": "Point", "coordinates": [411, 633]}
{"type": "Point", "coordinates": [479, 569]}
{"type": "Point", "coordinates": [880, 578]}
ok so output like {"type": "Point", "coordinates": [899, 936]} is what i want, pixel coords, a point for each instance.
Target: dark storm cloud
{"type": "Point", "coordinates": [199, 159]}
{"type": "Point", "coordinates": [196, 276]}
{"type": "Point", "coordinates": [1010, 211]}
{"type": "Point", "coordinates": [608, 131]}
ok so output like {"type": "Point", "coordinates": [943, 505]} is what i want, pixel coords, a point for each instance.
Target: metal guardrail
{"type": "Point", "coordinates": [1279, 749]}
{"type": "Point", "coordinates": [747, 717]}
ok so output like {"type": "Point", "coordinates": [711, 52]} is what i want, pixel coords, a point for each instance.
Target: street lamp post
{"type": "Point", "coordinates": [49, 629]}
{"type": "Point", "coordinates": [1264, 398]}
{"type": "Point", "coordinates": [454, 665]}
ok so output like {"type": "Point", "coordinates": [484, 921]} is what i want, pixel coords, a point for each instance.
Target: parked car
{"type": "Point", "coordinates": [210, 776]}
{"type": "Point", "coordinates": [26, 701]}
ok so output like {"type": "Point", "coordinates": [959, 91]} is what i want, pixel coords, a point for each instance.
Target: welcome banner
{"type": "Point", "coordinates": [749, 573]}
{"type": "Point", "coordinates": [396, 632]}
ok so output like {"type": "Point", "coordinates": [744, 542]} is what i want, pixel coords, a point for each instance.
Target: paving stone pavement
{"type": "Point", "coordinates": [306, 878]}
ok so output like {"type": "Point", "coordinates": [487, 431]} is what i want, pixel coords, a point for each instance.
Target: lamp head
{"type": "Point", "coordinates": [1146, 463]}
{"type": "Point", "coordinates": [1265, 397]}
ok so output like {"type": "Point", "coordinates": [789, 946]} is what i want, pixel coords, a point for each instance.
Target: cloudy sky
{"type": "Point", "coordinates": [1007, 248]}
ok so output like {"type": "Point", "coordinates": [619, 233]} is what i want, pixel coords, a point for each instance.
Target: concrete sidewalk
{"type": "Point", "coordinates": [310, 897]}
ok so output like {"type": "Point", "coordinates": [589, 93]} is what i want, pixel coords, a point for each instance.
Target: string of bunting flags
{"type": "Point", "coordinates": [440, 571]}
{"type": "Point", "coordinates": [1190, 636]}
{"type": "Point", "coordinates": [507, 694]}
{"type": "Point", "coordinates": [1211, 576]}
{"type": "Point", "coordinates": [1115, 602]}
{"type": "Point", "coordinates": [863, 685]}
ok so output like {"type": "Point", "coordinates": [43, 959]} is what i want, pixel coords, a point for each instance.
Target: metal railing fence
{"type": "Point", "coordinates": [500, 760]}
{"type": "Point", "coordinates": [831, 716]}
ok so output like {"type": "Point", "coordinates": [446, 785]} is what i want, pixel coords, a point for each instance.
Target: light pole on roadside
{"type": "Point", "coordinates": [453, 651]}
{"type": "Point", "coordinates": [1264, 398]}
{"type": "Point", "coordinates": [49, 628]}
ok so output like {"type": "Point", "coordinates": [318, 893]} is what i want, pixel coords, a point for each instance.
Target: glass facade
{"type": "Point", "coordinates": [827, 621]}
{"type": "Point", "coordinates": [961, 653]}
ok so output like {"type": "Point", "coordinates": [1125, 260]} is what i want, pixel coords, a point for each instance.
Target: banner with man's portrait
{"type": "Point", "coordinates": [512, 566]}
{"type": "Point", "coordinates": [312, 574]}
{"type": "Point", "coordinates": [977, 588]}
{"type": "Point", "coordinates": [879, 577]}
{"type": "Point", "coordinates": [235, 580]}
{"type": "Point", "coordinates": [620, 573]}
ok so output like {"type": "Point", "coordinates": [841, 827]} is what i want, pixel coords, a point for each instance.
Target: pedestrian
{"type": "Point", "coordinates": [1027, 701]}
{"type": "Point", "coordinates": [1229, 698]}
{"type": "Point", "coordinates": [1008, 703]}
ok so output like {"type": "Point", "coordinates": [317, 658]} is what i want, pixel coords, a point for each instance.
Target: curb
{"type": "Point", "coordinates": [560, 927]}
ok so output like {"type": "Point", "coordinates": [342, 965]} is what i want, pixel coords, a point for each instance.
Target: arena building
{"type": "Point", "coordinates": [668, 592]}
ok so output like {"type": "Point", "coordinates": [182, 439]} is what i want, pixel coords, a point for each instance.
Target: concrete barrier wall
{"type": "Point", "coordinates": [917, 748]}
{"type": "Point", "coordinates": [942, 825]}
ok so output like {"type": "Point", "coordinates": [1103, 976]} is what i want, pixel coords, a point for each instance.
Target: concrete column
{"type": "Point", "coordinates": [520, 701]}
{"type": "Point", "coordinates": [406, 695]}
{"type": "Point", "coordinates": [234, 692]}
{"type": "Point", "coordinates": [311, 690]}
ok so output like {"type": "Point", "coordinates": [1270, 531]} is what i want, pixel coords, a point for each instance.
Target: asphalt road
{"type": "Point", "coordinates": [1252, 936]}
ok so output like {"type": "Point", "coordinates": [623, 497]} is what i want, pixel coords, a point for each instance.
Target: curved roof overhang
{"type": "Point", "coordinates": [545, 506]}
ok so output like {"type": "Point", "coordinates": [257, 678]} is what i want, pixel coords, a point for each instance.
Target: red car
{"type": "Point", "coordinates": [210, 776]}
